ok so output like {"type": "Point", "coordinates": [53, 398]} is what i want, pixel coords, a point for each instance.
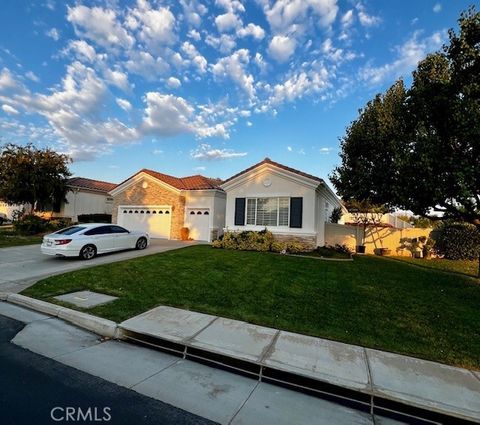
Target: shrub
{"type": "Point", "coordinates": [457, 241]}
{"type": "Point", "coordinates": [31, 225]}
{"type": "Point", "coordinates": [279, 246]}
{"type": "Point", "coordinates": [297, 247]}
{"type": "Point", "coordinates": [95, 218]}
{"type": "Point", "coordinates": [245, 241]}
{"type": "Point", "coordinates": [60, 223]}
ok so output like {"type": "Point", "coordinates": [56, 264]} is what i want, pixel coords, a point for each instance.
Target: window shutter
{"type": "Point", "coordinates": [239, 211]}
{"type": "Point", "coordinates": [296, 212]}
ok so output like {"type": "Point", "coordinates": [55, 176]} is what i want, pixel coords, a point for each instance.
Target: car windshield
{"type": "Point", "coordinates": [70, 230]}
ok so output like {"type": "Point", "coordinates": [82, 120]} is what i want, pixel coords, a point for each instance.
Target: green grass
{"type": "Point", "coordinates": [372, 301]}
{"type": "Point", "coordinates": [466, 267]}
{"type": "Point", "coordinates": [8, 238]}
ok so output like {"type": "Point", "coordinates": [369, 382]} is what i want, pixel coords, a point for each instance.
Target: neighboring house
{"type": "Point", "coordinates": [85, 196]}
{"type": "Point", "coordinates": [292, 204]}
{"type": "Point", "coordinates": [8, 210]}
{"type": "Point", "coordinates": [162, 205]}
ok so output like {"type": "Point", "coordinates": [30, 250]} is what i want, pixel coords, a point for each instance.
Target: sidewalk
{"type": "Point", "coordinates": [209, 392]}
{"type": "Point", "coordinates": [387, 376]}
{"type": "Point", "coordinates": [374, 380]}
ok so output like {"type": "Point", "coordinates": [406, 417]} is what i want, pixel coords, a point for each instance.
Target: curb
{"type": "Point", "coordinates": [103, 327]}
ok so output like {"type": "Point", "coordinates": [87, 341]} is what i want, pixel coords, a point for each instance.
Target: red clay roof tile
{"type": "Point", "coordinates": [90, 184]}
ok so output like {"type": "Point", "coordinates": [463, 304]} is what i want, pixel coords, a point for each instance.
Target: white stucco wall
{"type": "Point", "coordinates": [281, 185]}
{"type": "Point", "coordinates": [84, 202]}
{"type": "Point", "coordinates": [213, 200]}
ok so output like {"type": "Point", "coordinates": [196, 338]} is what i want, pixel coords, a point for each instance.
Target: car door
{"type": "Point", "coordinates": [122, 238]}
{"type": "Point", "coordinates": [101, 237]}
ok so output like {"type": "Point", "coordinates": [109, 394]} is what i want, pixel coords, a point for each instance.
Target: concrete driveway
{"type": "Point", "coordinates": [22, 266]}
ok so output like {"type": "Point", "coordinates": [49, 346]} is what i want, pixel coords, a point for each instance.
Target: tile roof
{"type": "Point", "coordinates": [90, 184]}
{"type": "Point", "coordinates": [278, 165]}
{"type": "Point", "coordinates": [196, 182]}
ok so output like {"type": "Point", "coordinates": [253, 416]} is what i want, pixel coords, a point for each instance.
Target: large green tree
{"type": "Point", "coordinates": [419, 148]}
{"type": "Point", "coordinates": [33, 176]}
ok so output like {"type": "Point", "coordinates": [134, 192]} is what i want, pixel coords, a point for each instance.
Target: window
{"type": "Point", "coordinates": [70, 230]}
{"type": "Point", "coordinates": [102, 230]}
{"type": "Point", "coordinates": [268, 211]}
{"type": "Point", "coordinates": [118, 229]}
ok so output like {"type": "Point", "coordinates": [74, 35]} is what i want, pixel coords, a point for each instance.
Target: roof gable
{"type": "Point", "coordinates": [268, 161]}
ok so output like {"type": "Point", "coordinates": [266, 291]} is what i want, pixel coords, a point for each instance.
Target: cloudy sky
{"type": "Point", "coordinates": [203, 86]}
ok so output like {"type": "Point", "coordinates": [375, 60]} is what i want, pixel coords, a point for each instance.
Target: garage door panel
{"type": "Point", "coordinates": [198, 223]}
{"type": "Point", "coordinates": [155, 221]}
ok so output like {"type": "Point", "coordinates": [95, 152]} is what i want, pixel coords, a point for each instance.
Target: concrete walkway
{"type": "Point", "coordinates": [208, 392]}
{"type": "Point", "coordinates": [22, 266]}
{"type": "Point", "coordinates": [414, 382]}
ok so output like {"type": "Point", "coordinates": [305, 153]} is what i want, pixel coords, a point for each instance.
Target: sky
{"type": "Point", "coordinates": [203, 86]}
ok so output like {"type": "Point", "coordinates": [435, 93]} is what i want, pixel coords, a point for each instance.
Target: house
{"type": "Point", "coordinates": [292, 204]}
{"type": "Point", "coordinates": [163, 205]}
{"type": "Point", "coordinates": [85, 196]}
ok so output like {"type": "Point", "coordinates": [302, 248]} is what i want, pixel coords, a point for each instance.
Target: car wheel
{"type": "Point", "coordinates": [141, 243]}
{"type": "Point", "coordinates": [88, 252]}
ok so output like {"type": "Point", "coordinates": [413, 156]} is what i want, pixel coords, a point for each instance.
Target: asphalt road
{"type": "Point", "coordinates": [21, 266]}
{"type": "Point", "coordinates": [32, 385]}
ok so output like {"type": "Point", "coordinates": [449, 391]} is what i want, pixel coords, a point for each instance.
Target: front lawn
{"type": "Point", "coordinates": [466, 267]}
{"type": "Point", "coordinates": [8, 238]}
{"type": "Point", "coordinates": [372, 301]}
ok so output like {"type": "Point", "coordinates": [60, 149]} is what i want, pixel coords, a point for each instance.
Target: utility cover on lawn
{"type": "Point", "coordinates": [86, 299]}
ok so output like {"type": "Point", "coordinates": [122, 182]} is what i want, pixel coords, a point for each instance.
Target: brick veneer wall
{"type": "Point", "coordinates": [309, 241]}
{"type": "Point", "coordinates": [154, 194]}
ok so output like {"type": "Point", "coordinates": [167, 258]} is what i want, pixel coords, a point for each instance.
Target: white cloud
{"type": "Point", "coordinates": [197, 59]}
{"type": "Point", "coordinates": [281, 48]}
{"type": "Point", "coordinates": [82, 50]}
{"type": "Point", "coordinates": [227, 22]}
{"type": "Point", "coordinates": [117, 78]}
{"type": "Point", "coordinates": [249, 123]}
{"type": "Point", "coordinates": [325, 151]}
{"type": "Point", "coordinates": [156, 27]}
{"type": "Point", "coordinates": [53, 33]}
{"type": "Point", "coordinates": [288, 15]}
{"type": "Point", "coordinates": [144, 64]}
{"type": "Point", "coordinates": [408, 56]}
{"type": "Point", "coordinates": [200, 168]}
{"type": "Point", "coordinates": [255, 31]}
{"type": "Point", "coordinates": [194, 35]}
{"type": "Point", "coordinates": [9, 109]}
{"type": "Point", "coordinates": [437, 8]}
{"type": "Point", "coordinates": [289, 149]}
{"type": "Point", "coordinates": [347, 18]}
{"type": "Point", "coordinates": [174, 83]}
{"type": "Point", "coordinates": [231, 5]}
{"type": "Point", "coordinates": [32, 76]}
{"type": "Point", "coordinates": [99, 25]}
{"type": "Point", "coordinates": [193, 11]}
{"type": "Point", "coordinates": [168, 115]}
{"type": "Point", "coordinates": [207, 152]}
{"type": "Point", "coordinates": [365, 19]}
{"type": "Point", "coordinates": [124, 104]}
{"type": "Point", "coordinates": [157, 152]}
{"type": "Point", "coordinates": [234, 67]}
{"type": "Point", "coordinates": [224, 44]}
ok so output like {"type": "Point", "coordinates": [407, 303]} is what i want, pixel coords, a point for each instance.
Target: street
{"type": "Point", "coordinates": [33, 385]}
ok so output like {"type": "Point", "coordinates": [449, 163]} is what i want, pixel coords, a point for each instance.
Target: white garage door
{"type": "Point", "coordinates": [153, 220]}
{"type": "Point", "coordinates": [198, 223]}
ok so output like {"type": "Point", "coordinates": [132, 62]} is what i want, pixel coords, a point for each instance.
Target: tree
{"type": "Point", "coordinates": [365, 214]}
{"type": "Point", "coordinates": [336, 215]}
{"type": "Point", "coordinates": [33, 176]}
{"type": "Point", "coordinates": [427, 137]}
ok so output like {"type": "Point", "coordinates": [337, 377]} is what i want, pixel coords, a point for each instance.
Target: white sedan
{"type": "Point", "coordinates": [88, 240]}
